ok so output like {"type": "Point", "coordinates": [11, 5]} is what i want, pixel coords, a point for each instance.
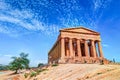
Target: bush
{"type": "Point", "coordinates": [40, 70]}
{"type": "Point", "coordinates": [54, 65]}
{"type": "Point", "coordinates": [40, 65]}
{"type": "Point", "coordinates": [26, 75]}
{"type": "Point", "coordinates": [33, 74]}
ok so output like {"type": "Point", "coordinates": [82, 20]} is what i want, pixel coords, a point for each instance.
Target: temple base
{"type": "Point", "coordinates": [82, 60]}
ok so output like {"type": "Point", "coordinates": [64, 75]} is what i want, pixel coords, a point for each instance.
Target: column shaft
{"type": "Point", "coordinates": [62, 48]}
{"type": "Point", "coordinates": [100, 49]}
{"type": "Point", "coordinates": [86, 49]}
{"type": "Point", "coordinates": [93, 48]}
{"type": "Point", "coordinates": [78, 48]}
{"type": "Point", "coordinates": [71, 47]}
{"type": "Point", "coordinates": [96, 50]}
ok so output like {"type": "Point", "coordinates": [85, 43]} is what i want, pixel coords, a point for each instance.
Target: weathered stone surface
{"type": "Point", "coordinates": [77, 45]}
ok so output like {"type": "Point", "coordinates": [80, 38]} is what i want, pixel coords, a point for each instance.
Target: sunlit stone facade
{"type": "Point", "coordinates": [76, 45]}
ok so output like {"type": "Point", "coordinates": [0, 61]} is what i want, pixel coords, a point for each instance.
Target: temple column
{"type": "Point", "coordinates": [96, 50]}
{"type": "Point", "coordinates": [62, 48]}
{"type": "Point", "coordinates": [78, 48]}
{"type": "Point", "coordinates": [100, 49]}
{"type": "Point", "coordinates": [93, 48]}
{"type": "Point", "coordinates": [86, 48]}
{"type": "Point", "coordinates": [71, 47]}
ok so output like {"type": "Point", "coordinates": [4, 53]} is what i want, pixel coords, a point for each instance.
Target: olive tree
{"type": "Point", "coordinates": [20, 62]}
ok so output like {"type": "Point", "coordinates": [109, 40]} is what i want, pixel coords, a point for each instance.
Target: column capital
{"type": "Point", "coordinates": [98, 40]}
{"type": "Point", "coordinates": [78, 38]}
{"type": "Point", "coordinates": [92, 40]}
{"type": "Point", "coordinates": [62, 37]}
{"type": "Point", "coordinates": [70, 38]}
{"type": "Point", "coordinates": [85, 39]}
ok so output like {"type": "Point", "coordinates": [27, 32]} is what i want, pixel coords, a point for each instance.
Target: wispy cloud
{"type": "Point", "coordinates": [24, 19]}
{"type": "Point", "coordinates": [70, 13]}
{"type": "Point", "coordinates": [105, 45]}
{"type": "Point", "coordinates": [8, 55]}
{"type": "Point", "coordinates": [86, 16]}
{"type": "Point", "coordinates": [98, 9]}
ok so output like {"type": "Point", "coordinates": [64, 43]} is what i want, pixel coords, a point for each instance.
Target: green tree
{"type": "Point", "coordinates": [20, 62]}
{"type": "Point", "coordinates": [3, 67]}
{"type": "Point", "coordinates": [40, 64]}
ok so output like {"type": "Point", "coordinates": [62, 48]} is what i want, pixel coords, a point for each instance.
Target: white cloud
{"type": "Point", "coordinates": [8, 55]}
{"type": "Point", "coordinates": [3, 5]}
{"type": "Point", "coordinates": [105, 45]}
{"type": "Point", "coordinates": [27, 20]}
{"type": "Point", "coordinates": [3, 30]}
{"type": "Point", "coordinates": [33, 25]}
{"type": "Point", "coordinates": [21, 18]}
{"type": "Point", "coordinates": [100, 4]}
{"type": "Point", "coordinates": [25, 14]}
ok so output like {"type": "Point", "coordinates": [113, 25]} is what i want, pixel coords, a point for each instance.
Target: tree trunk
{"type": "Point", "coordinates": [16, 71]}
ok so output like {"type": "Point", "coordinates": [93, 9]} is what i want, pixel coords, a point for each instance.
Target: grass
{"type": "Point", "coordinates": [34, 73]}
{"type": "Point", "coordinates": [99, 73]}
{"type": "Point", "coordinates": [26, 75]}
{"type": "Point", "coordinates": [53, 65]}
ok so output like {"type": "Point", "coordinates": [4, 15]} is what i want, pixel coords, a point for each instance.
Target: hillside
{"type": "Point", "coordinates": [78, 72]}
{"type": "Point", "coordinates": [82, 72]}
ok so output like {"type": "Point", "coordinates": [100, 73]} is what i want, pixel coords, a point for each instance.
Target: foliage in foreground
{"type": "Point", "coordinates": [21, 62]}
{"type": "Point", "coordinates": [4, 67]}
{"type": "Point", "coordinates": [40, 65]}
{"type": "Point", "coordinates": [53, 65]}
{"type": "Point", "coordinates": [34, 73]}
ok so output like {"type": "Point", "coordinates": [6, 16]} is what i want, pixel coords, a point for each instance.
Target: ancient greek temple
{"type": "Point", "coordinates": [76, 45]}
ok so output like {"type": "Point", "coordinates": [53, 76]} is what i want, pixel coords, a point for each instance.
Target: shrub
{"type": "Point", "coordinates": [33, 74]}
{"type": "Point", "coordinates": [38, 71]}
{"type": "Point", "coordinates": [99, 73]}
{"type": "Point", "coordinates": [40, 65]}
{"type": "Point", "coordinates": [26, 75]}
{"type": "Point", "coordinates": [54, 65]}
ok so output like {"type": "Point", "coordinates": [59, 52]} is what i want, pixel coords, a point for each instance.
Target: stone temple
{"type": "Point", "coordinates": [76, 45]}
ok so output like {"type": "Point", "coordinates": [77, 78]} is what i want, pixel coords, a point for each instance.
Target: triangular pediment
{"type": "Point", "coordinates": [80, 30]}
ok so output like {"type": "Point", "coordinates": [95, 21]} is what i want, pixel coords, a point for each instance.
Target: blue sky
{"type": "Point", "coordinates": [32, 26]}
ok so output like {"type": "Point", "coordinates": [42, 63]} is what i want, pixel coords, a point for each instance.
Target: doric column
{"type": "Point", "coordinates": [78, 48]}
{"type": "Point", "coordinates": [59, 49]}
{"type": "Point", "coordinates": [96, 50]}
{"type": "Point", "coordinates": [86, 48]}
{"type": "Point", "coordinates": [100, 49]}
{"type": "Point", "coordinates": [71, 47]}
{"type": "Point", "coordinates": [93, 48]}
{"type": "Point", "coordinates": [62, 48]}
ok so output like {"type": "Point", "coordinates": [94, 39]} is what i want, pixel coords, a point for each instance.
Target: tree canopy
{"type": "Point", "coordinates": [21, 62]}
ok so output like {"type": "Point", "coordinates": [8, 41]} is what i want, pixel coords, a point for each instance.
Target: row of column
{"type": "Point", "coordinates": [93, 48]}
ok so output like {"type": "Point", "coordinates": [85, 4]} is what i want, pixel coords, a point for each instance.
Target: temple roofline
{"type": "Point", "coordinates": [81, 27]}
